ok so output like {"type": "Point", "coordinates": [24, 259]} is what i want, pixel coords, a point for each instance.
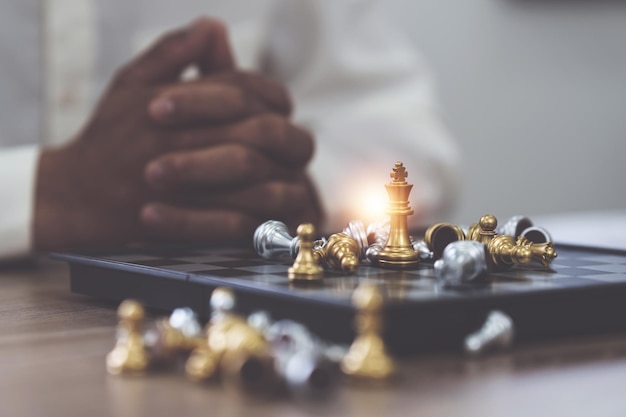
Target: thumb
{"type": "Point", "coordinates": [204, 43]}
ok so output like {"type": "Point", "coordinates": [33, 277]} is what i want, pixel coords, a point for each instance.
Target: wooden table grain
{"type": "Point", "coordinates": [53, 344]}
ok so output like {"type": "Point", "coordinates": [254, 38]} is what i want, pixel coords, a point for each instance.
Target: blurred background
{"type": "Point", "coordinates": [535, 92]}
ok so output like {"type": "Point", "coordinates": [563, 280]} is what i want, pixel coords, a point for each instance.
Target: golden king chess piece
{"type": "Point", "coordinates": [398, 251]}
{"type": "Point", "coordinates": [367, 358]}
{"type": "Point", "coordinates": [306, 266]}
{"type": "Point", "coordinates": [129, 355]}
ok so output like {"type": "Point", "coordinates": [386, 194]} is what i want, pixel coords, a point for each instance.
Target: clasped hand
{"type": "Point", "coordinates": [164, 159]}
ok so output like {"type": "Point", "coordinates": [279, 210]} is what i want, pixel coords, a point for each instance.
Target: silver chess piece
{"type": "Point", "coordinates": [497, 333]}
{"type": "Point", "coordinates": [377, 235]}
{"type": "Point", "coordinates": [421, 247]}
{"type": "Point", "coordinates": [272, 241]}
{"type": "Point", "coordinates": [356, 230]}
{"type": "Point", "coordinates": [299, 357]}
{"type": "Point", "coordinates": [537, 234]}
{"type": "Point", "coordinates": [186, 321]}
{"type": "Point", "coordinates": [462, 261]}
{"type": "Point", "coordinates": [514, 226]}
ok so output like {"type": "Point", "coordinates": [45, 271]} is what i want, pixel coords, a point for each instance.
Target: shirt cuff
{"type": "Point", "coordinates": [17, 183]}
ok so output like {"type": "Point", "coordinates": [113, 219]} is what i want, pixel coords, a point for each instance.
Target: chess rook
{"type": "Point", "coordinates": [398, 251]}
{"type": "Point", "coordinates": [497, 332]}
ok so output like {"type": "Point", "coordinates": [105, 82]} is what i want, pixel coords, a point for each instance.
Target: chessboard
{"type": "Point", "coordinates": [583, 292]}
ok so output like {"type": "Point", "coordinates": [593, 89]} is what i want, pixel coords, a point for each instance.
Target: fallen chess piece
{"type": "Point", "coordinates": [341, 252]}
{"type": "Point", "coordinates": [180, 333]}
{"type": "Point", "coordinates": [233, 348]}
{"type": "Point", "coordinates": [462, 261]}
{"type": "Point", "coordinates": [497, 333]}
{"type": "Point", "coordinates": [439, 235]}
{"type": "Point", "coordinates": [518, 226]}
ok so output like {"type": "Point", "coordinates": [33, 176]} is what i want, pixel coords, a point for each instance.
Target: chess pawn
{"type": "Point", "coordinates": [398, 251]}
{"type": "Point", "coordinates": [462, 261]}
{"type": "Point", "coordinates": [306, 267]}
{"type": "Point", "coordinates": [129, 355]}
{"type": "Point", "coordinates": [272, 241]}
{"type": "Point", "coordinates": [497, 332]}
{"type": "Point", "coordinates": [484, 230]}
{"type": "Point", "coordinates": [440, 235]}
{"type": "Point", "coordinates": [367, 358]}
{"type": "Point", "coordinates": [342, 252]}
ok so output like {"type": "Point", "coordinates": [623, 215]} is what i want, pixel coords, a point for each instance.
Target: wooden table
{"type": "Point", "coordinates": [53, 344]}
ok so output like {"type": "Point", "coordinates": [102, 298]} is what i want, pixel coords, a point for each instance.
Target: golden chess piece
{"type": "Point", "coordinates": [484, 230]}
{"type": "Point", "coordinates": [342, 252]}
{"type": "Point", "coordinates": [367, 358]}
{"type": "Point", "coordinates": [542, 253]}
{"type": "Point", "coordinates": [440, 235]}
{"type": "Point", "coordinates": [243, 352]}
{"type": "Point", "coordinates": [306, 267]}
{"type": "Point", "coordinates": [398, 251]}
{"type": "Point", "coordinates": [202, 363]}
{"type": "Point", "coordinates": [504, 252]}
{"type": "Point", "coordinates": [129, 354]}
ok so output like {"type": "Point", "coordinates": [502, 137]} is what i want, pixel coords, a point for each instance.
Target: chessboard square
{"type": "Point", "coordinates": [605, 258]}
{"type": "Point", "coordinates": [269, 279]}
{"type": "Point", "coordinates": [608, 277]}
{"type": "Point", "coordinates": [161, 262]}
{"type": "Point", "coordinates": [206, 259]}
{"type": "Point", "coordinates": [193, 267]}
{"type": "Point", "coordinates": [575, 282]}
{"type": "Point", "coordinates": [240, 263]}
{"type": "Point", "coordinates": [610, 268]}
{"type": "Point", "coordinates": [226, 273]}
{"type": "Point", "coordinates": [577, 272]}
{"type": "Point", "coordinates": [267, 269]}
{"type": "Point", "coordinates": [572, 261]}
{"type": "Point", "coordinates": [133, 257]}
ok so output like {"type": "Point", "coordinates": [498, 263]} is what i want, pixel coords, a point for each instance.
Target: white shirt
{"type": "Point", "coordinates": [357, 84]}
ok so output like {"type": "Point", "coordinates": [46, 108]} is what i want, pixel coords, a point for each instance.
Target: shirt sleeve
{"type": "Point", "coordinates": [368, 97]}
{"type": "Point", "coordinates": [17, 182]}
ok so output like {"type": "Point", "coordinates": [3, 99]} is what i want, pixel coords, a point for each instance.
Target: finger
{"type": "Point", "coordinates": [212, 168]}
{"type": "Point", "coordinates": [226, 96]}
{"type": "Point", "coordinates": [269, 133]}
{"type": "Point", "coordinates": [270, 199]}
{"type": "Point", "coordinates": [192, 103]}
{"type": "Point", "coordinates": [203, 43]}
{"type": "Point", "coordinates": [210, 226]}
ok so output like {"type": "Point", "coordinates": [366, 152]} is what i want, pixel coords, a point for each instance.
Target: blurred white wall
{"type": "Point", "coordinates": [535, 92]}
